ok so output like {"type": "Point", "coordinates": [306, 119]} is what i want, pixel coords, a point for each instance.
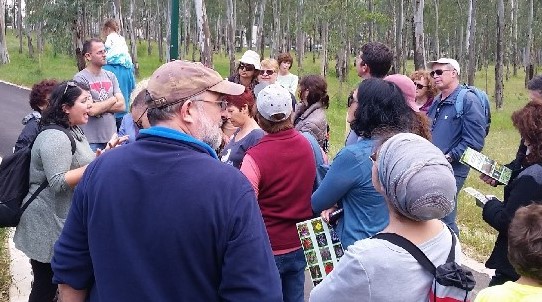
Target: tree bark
{"type": "Point", "coordinates": [131, 31]}
{"type": "Point", "coordinates": [230, 39]}
{"type": "Point", "coordinates": [160, 33]}
{"type": "Point", "coordinates": [204, 35]}
{"type": "Point", "coordinates": [259, 32]}
{"type": "Point", "coordinates": [323, 51]}
{"type": "Point", "coordinates": [117, 10]}
{"type": "Point", "coordinates": [300, 43]}
{"type": "Point", "coordinates": [514, 24]}
{"type": "Point", "coordinates": [469, 41]}
{"type": "Point", "coordinates": [528, 60]}
{"type": "Point", "coordinates": [20, 24]}
{"type": "Point", "coordinates": [500, 55]}
{"type": "Point", "coordinates": [437, 38]}
{"type": "Point", "coordinates": [4, 55]}
{"type": "Point", "coordinates": [419, 45]}
{"type": "Point", "coordinates": [275, 36]}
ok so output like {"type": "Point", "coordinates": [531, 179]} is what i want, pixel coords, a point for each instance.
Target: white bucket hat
{"type": "Point", "coordinates": [251, 57]}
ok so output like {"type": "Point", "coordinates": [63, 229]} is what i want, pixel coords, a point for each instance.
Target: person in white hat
{"type": "Point", "coordinates": [282, 170]}
{"type": "Point", "coordinates": [450, 133]}
{"type": "Point", "coordinates": [247, 70]}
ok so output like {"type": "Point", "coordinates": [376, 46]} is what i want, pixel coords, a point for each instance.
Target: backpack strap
{"type": "Point", "coordinates": [66, 131]}
{"type": "Point", "coordinates": [411, 248]}
{"type": "Point", "coordinates": [451, 255]}
{"type": "Point", "coordinates": [34, 195]}
{"type": "Point", "coordinates": [460, 100]}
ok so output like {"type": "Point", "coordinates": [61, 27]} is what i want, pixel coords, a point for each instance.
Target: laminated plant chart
{"type": "Point", "coordinates": [321, 246]}
{"type": "Point", "coordinates": [486, 165]}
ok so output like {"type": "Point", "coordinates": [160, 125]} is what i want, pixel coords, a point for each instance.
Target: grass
{"type": "Point", "coordinates": [5, 276]}
{"type": "Point", "coordinates": [501, 144]}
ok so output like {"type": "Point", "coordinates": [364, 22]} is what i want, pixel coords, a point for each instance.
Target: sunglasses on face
{"type": "Point", "coordinates": [438, 72]}
{"type": "Point", "coordinates": [247, 67]}
{"type": "Point", "coordinates": [420, 86]}
{"type": "Point", "coordinates": [266, 72]}
{"type": "Point", "coordinates": [350, 101]}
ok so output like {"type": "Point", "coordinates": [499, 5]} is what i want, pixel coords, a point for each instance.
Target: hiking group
{"type": "Point", "coordinates": [196, 193]}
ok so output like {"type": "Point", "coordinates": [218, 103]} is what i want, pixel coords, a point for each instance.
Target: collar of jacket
{"type": "Point", "coordinates": [177, 135]}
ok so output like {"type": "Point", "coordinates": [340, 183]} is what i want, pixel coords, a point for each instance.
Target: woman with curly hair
{"type": "Point", "coordinates": [39, 100]}
{"type": "Point", "coordinates": [522, 190]}
{"type": "Point", "coordinates": [310, 115]}
{"type": "Point", "coordinates": [425, 89]}
{"type": "Point", "coordinates": [378, 107]}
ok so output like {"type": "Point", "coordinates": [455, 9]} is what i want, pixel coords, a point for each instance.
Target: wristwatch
{"type": "Point", "coordinates": [448, 158]}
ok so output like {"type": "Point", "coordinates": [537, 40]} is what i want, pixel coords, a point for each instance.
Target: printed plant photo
{"type": "Point", "coordinates": [317, 226]}
{"type": "Point", "coordinates": [321, 239]}
{"type": "Point", "coordinates": [334, 236]}
{"type": "Point", "coordinates": [325, 254]}
{"type": "Point", "coordinates": [307, 244]}
{"type": "Point", "coordinates": [339, 252]}
{"type": "Point", "coordinates": [303, 230]}
{"type": "Point", "coordinates": [328, 267]}
{"type": "Point", "coordinates": [310, 256]}
{"type": "Point", "coordinates": [315, 272]}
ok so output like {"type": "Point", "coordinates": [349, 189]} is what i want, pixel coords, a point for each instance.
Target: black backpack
{"type": "Point", "coordinates": [452, 282]}
{"type": "Point", "coordinates": [14, 181]}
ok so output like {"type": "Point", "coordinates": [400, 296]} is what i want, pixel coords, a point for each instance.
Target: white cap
{"type": "Point", "coordinates": [274, 99]}
{"type": "Point", "coordinates": [452, 62]}
{"type": "Point", "coordinates": [251, 57]}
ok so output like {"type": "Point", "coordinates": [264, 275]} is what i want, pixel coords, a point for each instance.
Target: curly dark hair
{"type": "Point", "coordinates": [525, 242]}
{"type": "Point", "coordinates": [285, 57]}
{"type": "Point", "coordinates": [39, 93]}
{"type": "Point", "coordinates": [378, 57]}
{"type": "Point", "coordinates": [381, 106]}
{"type": "Point", "coordinates": [317, 87]}
{"type": "Point", "coordinates": [528, 121]}
{"type": "Point", "coordinates": [65, 93]}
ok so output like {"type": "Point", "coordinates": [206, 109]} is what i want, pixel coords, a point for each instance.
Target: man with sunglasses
{"type": "Point", "coordinates": [162, 219]}
{"type": "Point", "coordinates": [450, 133]}
{"type": "Point", "coordinates": [106, 95]}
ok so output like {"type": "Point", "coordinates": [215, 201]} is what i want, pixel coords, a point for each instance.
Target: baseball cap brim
{"type": "Point", "coordinates": [227, 87]}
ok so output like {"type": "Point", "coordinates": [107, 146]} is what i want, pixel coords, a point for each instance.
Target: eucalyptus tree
{"type": "Point", "coordinates": [4, 55]}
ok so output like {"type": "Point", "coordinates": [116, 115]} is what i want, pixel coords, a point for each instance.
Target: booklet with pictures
{"type": "Point", "coordinates": [321, 246]}
{"type": "Point", "coordinates": [486, 165]}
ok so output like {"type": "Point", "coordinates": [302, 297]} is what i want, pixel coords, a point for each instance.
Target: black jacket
{"type": "Point", "coordinates": [30, 130]}
{"type": "Point", "coordinates": [523, 190]}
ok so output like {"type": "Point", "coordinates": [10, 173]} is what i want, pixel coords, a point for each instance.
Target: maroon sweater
{"type": "Point", "coordinates": [287, 169]}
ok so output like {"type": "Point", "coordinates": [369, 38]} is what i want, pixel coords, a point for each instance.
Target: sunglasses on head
{"type": "Point", "coordinates": [420, 86]}
{"type": "Point", "coordinates": [266, 72]}
{"type": "Point", "coordinates": [69, 84]}
{"type": "Point", "coordinates": [247, 67]}
{"type": "Point", "coordinates": [438, 72]}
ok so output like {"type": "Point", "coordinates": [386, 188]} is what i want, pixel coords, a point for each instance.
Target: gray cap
{"type": "Point", "coordinates": [274, 99]}
{"type": "Point", "coordinates": [417, 179]}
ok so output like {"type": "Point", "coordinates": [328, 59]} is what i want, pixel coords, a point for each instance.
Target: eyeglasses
{"type": "Point", "coordinates": [420, 86]}
{"type": "Point", "coordinates": [247, 67]}
{"type": "Point", "coordinates": [351, 100]}
{"type": "Point", "coordinates": [373, 157]}
{"type": "Point", "coordinates": [69, 84]}
{"type": "Point", "coordinates": [266, 72]}
{"type": "Point", "coordinates": [222, 103]}
{"type": "Point", "coordinates": [438, 72]}
{"type": "Point", "coordinates": [139, 122]}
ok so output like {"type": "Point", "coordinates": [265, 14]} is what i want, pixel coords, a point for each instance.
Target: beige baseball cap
{"type": "Point", "coordinates": [452, 62]}
{"type": "Point", "coordinates": [177, 81]}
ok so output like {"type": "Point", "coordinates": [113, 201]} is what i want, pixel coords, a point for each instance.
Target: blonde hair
{"type": "Point", "coordinates": [270, 64]}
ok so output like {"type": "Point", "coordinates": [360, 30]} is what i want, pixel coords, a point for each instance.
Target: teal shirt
{"type": "Point", "coordinates": [348, 182]}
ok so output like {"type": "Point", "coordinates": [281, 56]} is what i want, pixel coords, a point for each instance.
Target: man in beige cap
{"type": "Point", "coordinates": [161, 219]}
{"type": "Point", "coordinates": [453, 133]}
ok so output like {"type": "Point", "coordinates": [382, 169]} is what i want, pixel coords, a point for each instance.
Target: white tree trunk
{"type": "Point", "coordinates": [260, 13]}
{"type": "Point", "coordinates": [419, 45]}
{"type": "Point", "coordinates": [500, 55]}
{"type": "Point", "coordinates": [4, 56]}
{"type": "Point", "coordinates": [437, 39]}
{"type": "Point", "coordinates": [528, 59]}
{"type": "Point", "coordinates": [323, 52]}
{"type": "Point", "coordinates": [204, 34]}
{"type": "Point", "coordinates": [230, 39]}
{"type": "Point", "coordinates": [469, 42]}
{"type": "Point", "coordinates": [300, 43]}
{"type": "Point", "coordinates": [131, 31]}
{"type": "Point", "coordinates": [514, 40]}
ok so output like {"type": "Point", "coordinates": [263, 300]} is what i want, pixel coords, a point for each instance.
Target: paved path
{"type": "Point", "coordinates": [14, 104]}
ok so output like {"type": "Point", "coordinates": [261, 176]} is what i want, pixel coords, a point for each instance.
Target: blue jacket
{"type": "Point", "coordinates": [160, 219]}
{"type": "Point", "coordinates": [348, 182]}
{"type": "Point", "coordinates": [453, 135]}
